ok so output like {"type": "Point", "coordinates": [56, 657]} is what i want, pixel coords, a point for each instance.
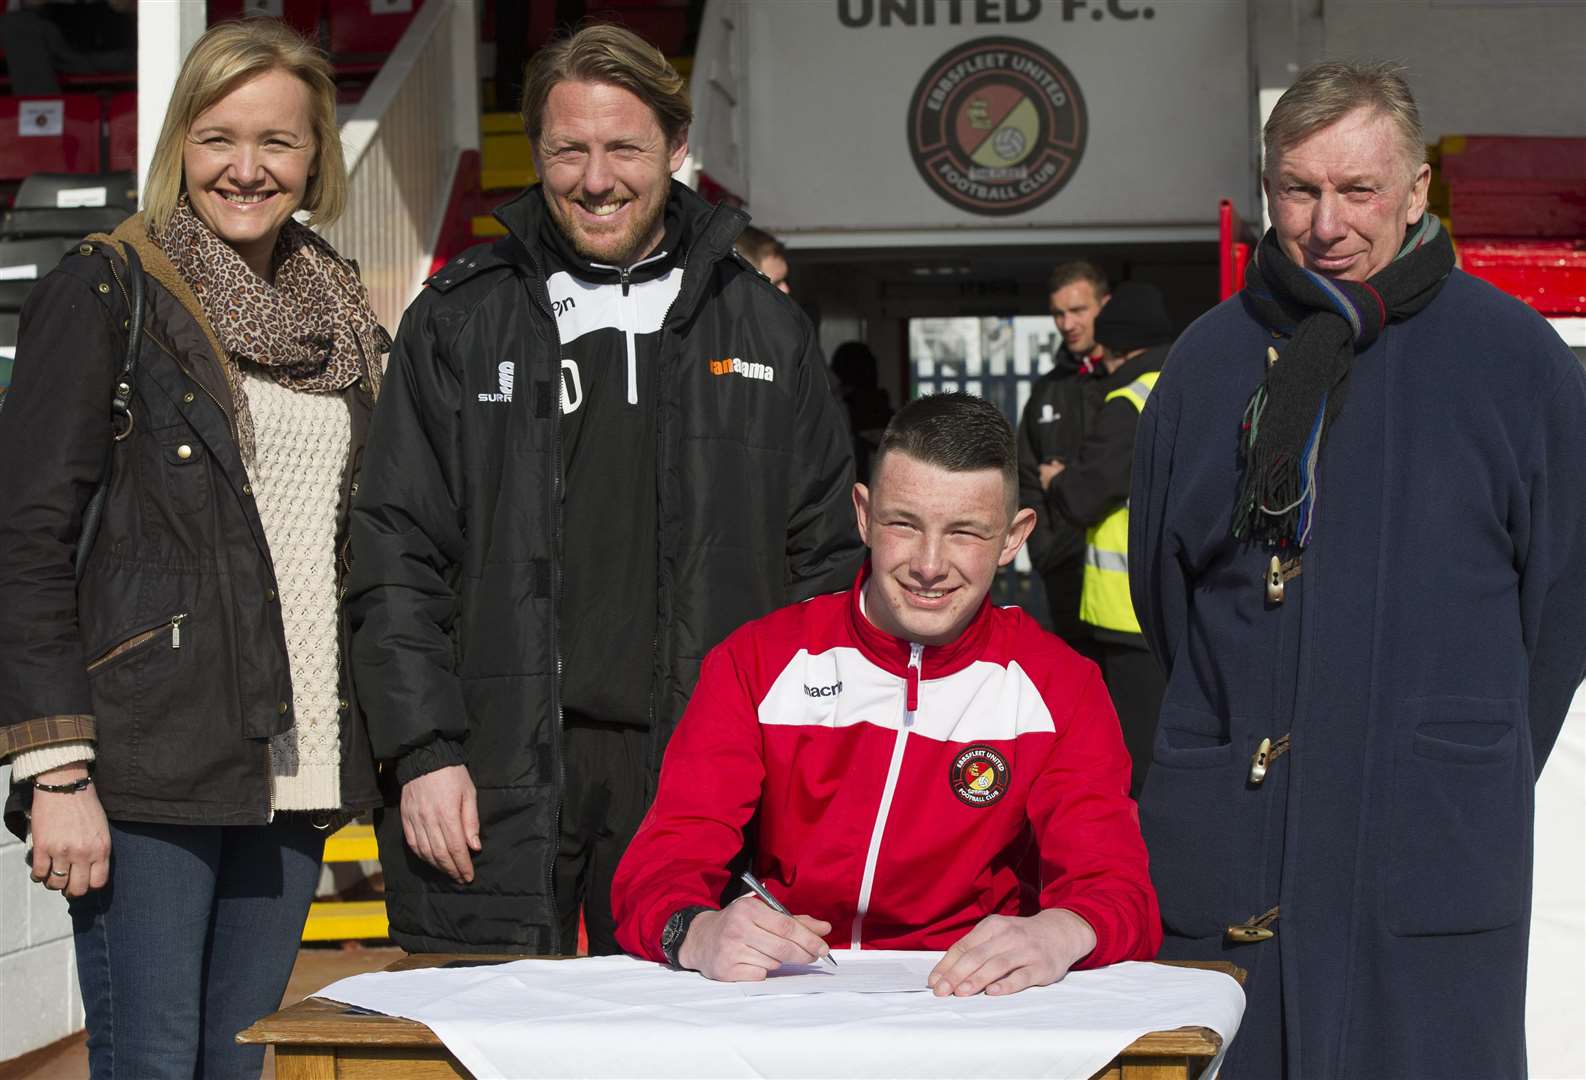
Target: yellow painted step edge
{"type": "Point", "coordinates": [332, 920]}
{"type": "Point", "coordinates": [352, 843]}
{"type": "Point", "coordinates": [506, 179]}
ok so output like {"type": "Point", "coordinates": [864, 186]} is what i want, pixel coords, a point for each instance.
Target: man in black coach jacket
{"type": "Point", "coordinates": [604, 443]}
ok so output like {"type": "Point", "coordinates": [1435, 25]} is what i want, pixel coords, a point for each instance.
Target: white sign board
{"type": "Point", "coordinates": [924, 114]}
{"type": "Point", "coordinates": [83, 196]}
{"type": "Point", "coordinates": [41, 118]}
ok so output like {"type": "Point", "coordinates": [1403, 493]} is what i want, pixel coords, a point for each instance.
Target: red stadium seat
{"type": "Point", "coordinates": [300, 15]}
{"type": "Point", "coordinates": [367, 28]}
{"type": "Point", "coordinates": [122, 117]}
{"type": "Point", "coordinates": [663, 23]}
{"type": "Point", "coordinates": [54, 134]}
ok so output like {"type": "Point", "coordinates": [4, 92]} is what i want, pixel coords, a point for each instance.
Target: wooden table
{"type": "Point", "coordinates": [318, 1039]}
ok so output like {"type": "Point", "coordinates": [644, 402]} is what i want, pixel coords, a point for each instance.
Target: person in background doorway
{"type": "Point", "coordinates": [1051, 429]}
{"type": "Point", "coordinates": [1090, 492]}
{"type": "Point", "coordinates": [176, 710]}
{"type": "Point", "coordinates": [864, 400]}
{"type": "Point", "coordinates": [1358, 547]}
{"type": "Point", "coordinates": [766, 254]}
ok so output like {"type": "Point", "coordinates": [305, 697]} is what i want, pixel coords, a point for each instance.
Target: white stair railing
{"type": "Point", "coordinates": [403, 142]}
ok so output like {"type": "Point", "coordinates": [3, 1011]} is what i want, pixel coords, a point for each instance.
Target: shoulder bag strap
{"type": "Point", "coordinates": [120, 408]}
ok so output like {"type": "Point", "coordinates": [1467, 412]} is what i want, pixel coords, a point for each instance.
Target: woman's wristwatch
{"type": "Point", "coordinates": [675, 930]}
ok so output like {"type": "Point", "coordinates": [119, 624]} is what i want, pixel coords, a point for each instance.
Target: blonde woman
{"type": "Point", "coordinates": [173, 701]}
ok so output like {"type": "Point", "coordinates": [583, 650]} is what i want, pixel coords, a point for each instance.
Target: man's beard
{"type": "Point", "coordinates": [630, 244]}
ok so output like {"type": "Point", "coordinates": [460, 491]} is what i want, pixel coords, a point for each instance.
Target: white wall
{"type": "Point", "coordinates": [1478, 67]}
{"type": "Point", "coordinates": [39, 1002]}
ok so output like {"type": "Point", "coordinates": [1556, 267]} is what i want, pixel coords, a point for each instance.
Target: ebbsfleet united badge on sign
{"type": "Point", "coordinates": [997, 126]}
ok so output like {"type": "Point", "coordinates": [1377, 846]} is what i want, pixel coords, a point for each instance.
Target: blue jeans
{"type": "Point", "coordinates": [192, 940]}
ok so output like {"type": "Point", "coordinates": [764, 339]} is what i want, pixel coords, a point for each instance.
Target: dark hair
{"type": "Point", "coordinates": [854, 365]}
{"type": "Point", "coordinates": [958, 432]}
{"type": "Point", "coordinates": [755, 244]}
{"type": "Point", "coordinates": [604, 53]}
{"type": "Point", "coordinates": [1064, 274]}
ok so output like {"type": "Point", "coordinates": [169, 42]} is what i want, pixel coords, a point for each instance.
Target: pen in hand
{"type": "Point", "coordinates": [773, 903]}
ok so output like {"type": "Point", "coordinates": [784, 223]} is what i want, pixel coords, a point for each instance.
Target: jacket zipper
{"type": "Point", "coordinates": [141, 638]}
{"type": "Point", "coordinates": [625, 278]}
{"type": "Point", "coordinates": [269, 760]}
{"type": "Point", "coordinates": [911, 695]}
{"type": "Point", "coordinates": [555, 837]}
{"type": "Point", "coordinates": [556, 568]}
{"type": "Point", "coordinates": [655, 638]}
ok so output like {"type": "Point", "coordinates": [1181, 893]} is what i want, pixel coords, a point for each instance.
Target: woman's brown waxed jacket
{"type": "Point", "coordinates": [170, 653]}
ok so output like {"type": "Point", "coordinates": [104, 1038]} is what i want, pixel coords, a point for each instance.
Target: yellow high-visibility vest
{"type": "Point", "coordinates": [1104, 600]}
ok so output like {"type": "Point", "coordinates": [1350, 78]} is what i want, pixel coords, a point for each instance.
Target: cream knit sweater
{"type": "Point", "coordinates": [302, 444]}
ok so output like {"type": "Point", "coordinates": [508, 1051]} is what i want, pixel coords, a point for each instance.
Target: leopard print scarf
{"type": "Point", "coordinates": [313, 328]}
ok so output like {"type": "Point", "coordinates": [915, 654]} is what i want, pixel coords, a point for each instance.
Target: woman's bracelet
{"type": "Point", "coordinates": [71, 787]}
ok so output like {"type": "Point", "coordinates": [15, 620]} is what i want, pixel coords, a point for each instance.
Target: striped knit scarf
{"type": "Point", "coordinates": [1327, 322]}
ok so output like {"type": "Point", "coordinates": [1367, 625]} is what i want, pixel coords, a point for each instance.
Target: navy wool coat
{"type": "Point", "coordinates": [1420, 663]}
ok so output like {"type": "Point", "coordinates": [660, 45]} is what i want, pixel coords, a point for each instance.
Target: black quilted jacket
{"type": "Point", "coordinates": [456, 541]}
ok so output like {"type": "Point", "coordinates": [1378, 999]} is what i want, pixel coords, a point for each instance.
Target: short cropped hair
{"type": "Point", "coordinates": [226, 56]}
{"type": "Point", "coordinates": [756, 244]}
{"type": "Point", "coordinates": [956, 431]}
{"type": "Point", "coordinates": [1066, 274]}
{"type": "Point", "coordinates": [605, 53]}
{"type": "Point", "coordinates": [1325, 93]}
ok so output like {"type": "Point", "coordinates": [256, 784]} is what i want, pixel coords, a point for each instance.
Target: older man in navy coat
{"type": "Point", "coordinates": [1358, 548]}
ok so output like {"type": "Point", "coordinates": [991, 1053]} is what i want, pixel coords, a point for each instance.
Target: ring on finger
{"type": "Point", "coordinates": [59, 873]}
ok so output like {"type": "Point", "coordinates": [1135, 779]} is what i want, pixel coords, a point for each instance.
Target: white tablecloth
{"type": "Point", "coordinates": [618, 1017]}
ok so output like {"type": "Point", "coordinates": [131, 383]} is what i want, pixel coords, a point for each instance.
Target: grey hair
{"type": "Point", "coordinates": [1327, 92]}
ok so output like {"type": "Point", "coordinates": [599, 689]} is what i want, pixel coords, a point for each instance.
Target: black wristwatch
{"type": "Point", "coordinates": [675, 930]}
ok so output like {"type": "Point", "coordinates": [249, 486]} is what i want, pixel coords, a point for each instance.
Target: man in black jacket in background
{"type": "Point", "coordinates": [1052, 429]}
{"type": "Point", "coordinates": [1090, 492]}
{"type": "Point", "coordinates": [604, 443]}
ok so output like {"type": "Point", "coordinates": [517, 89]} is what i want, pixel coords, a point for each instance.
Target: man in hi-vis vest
{"type": "Point", "coordinates": [1092, 491]}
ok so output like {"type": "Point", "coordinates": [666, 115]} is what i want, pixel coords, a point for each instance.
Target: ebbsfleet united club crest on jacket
{"type": "Point", "coordinates": [997, 126]}
{"type": "Point", "coordinates": [978, 776]}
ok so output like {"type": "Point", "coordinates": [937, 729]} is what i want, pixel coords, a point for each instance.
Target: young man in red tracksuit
{"type": "Point", "coordinates": [929, 771]}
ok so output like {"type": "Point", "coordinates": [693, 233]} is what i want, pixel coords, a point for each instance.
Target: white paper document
{"type": "Point", "coordinates": [849, 978]}
{"type": "Point", "coordinates": [614, 1016]}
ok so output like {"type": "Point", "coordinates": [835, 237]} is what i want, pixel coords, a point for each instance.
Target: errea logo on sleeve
{"type": "Point", "coordinates": [748, 369]}
{"type": "Point", "coordinates": [504, 377]}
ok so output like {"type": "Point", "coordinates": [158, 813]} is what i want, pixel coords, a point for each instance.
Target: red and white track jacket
{"type": "Point", "coordinates": [904, 792]}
